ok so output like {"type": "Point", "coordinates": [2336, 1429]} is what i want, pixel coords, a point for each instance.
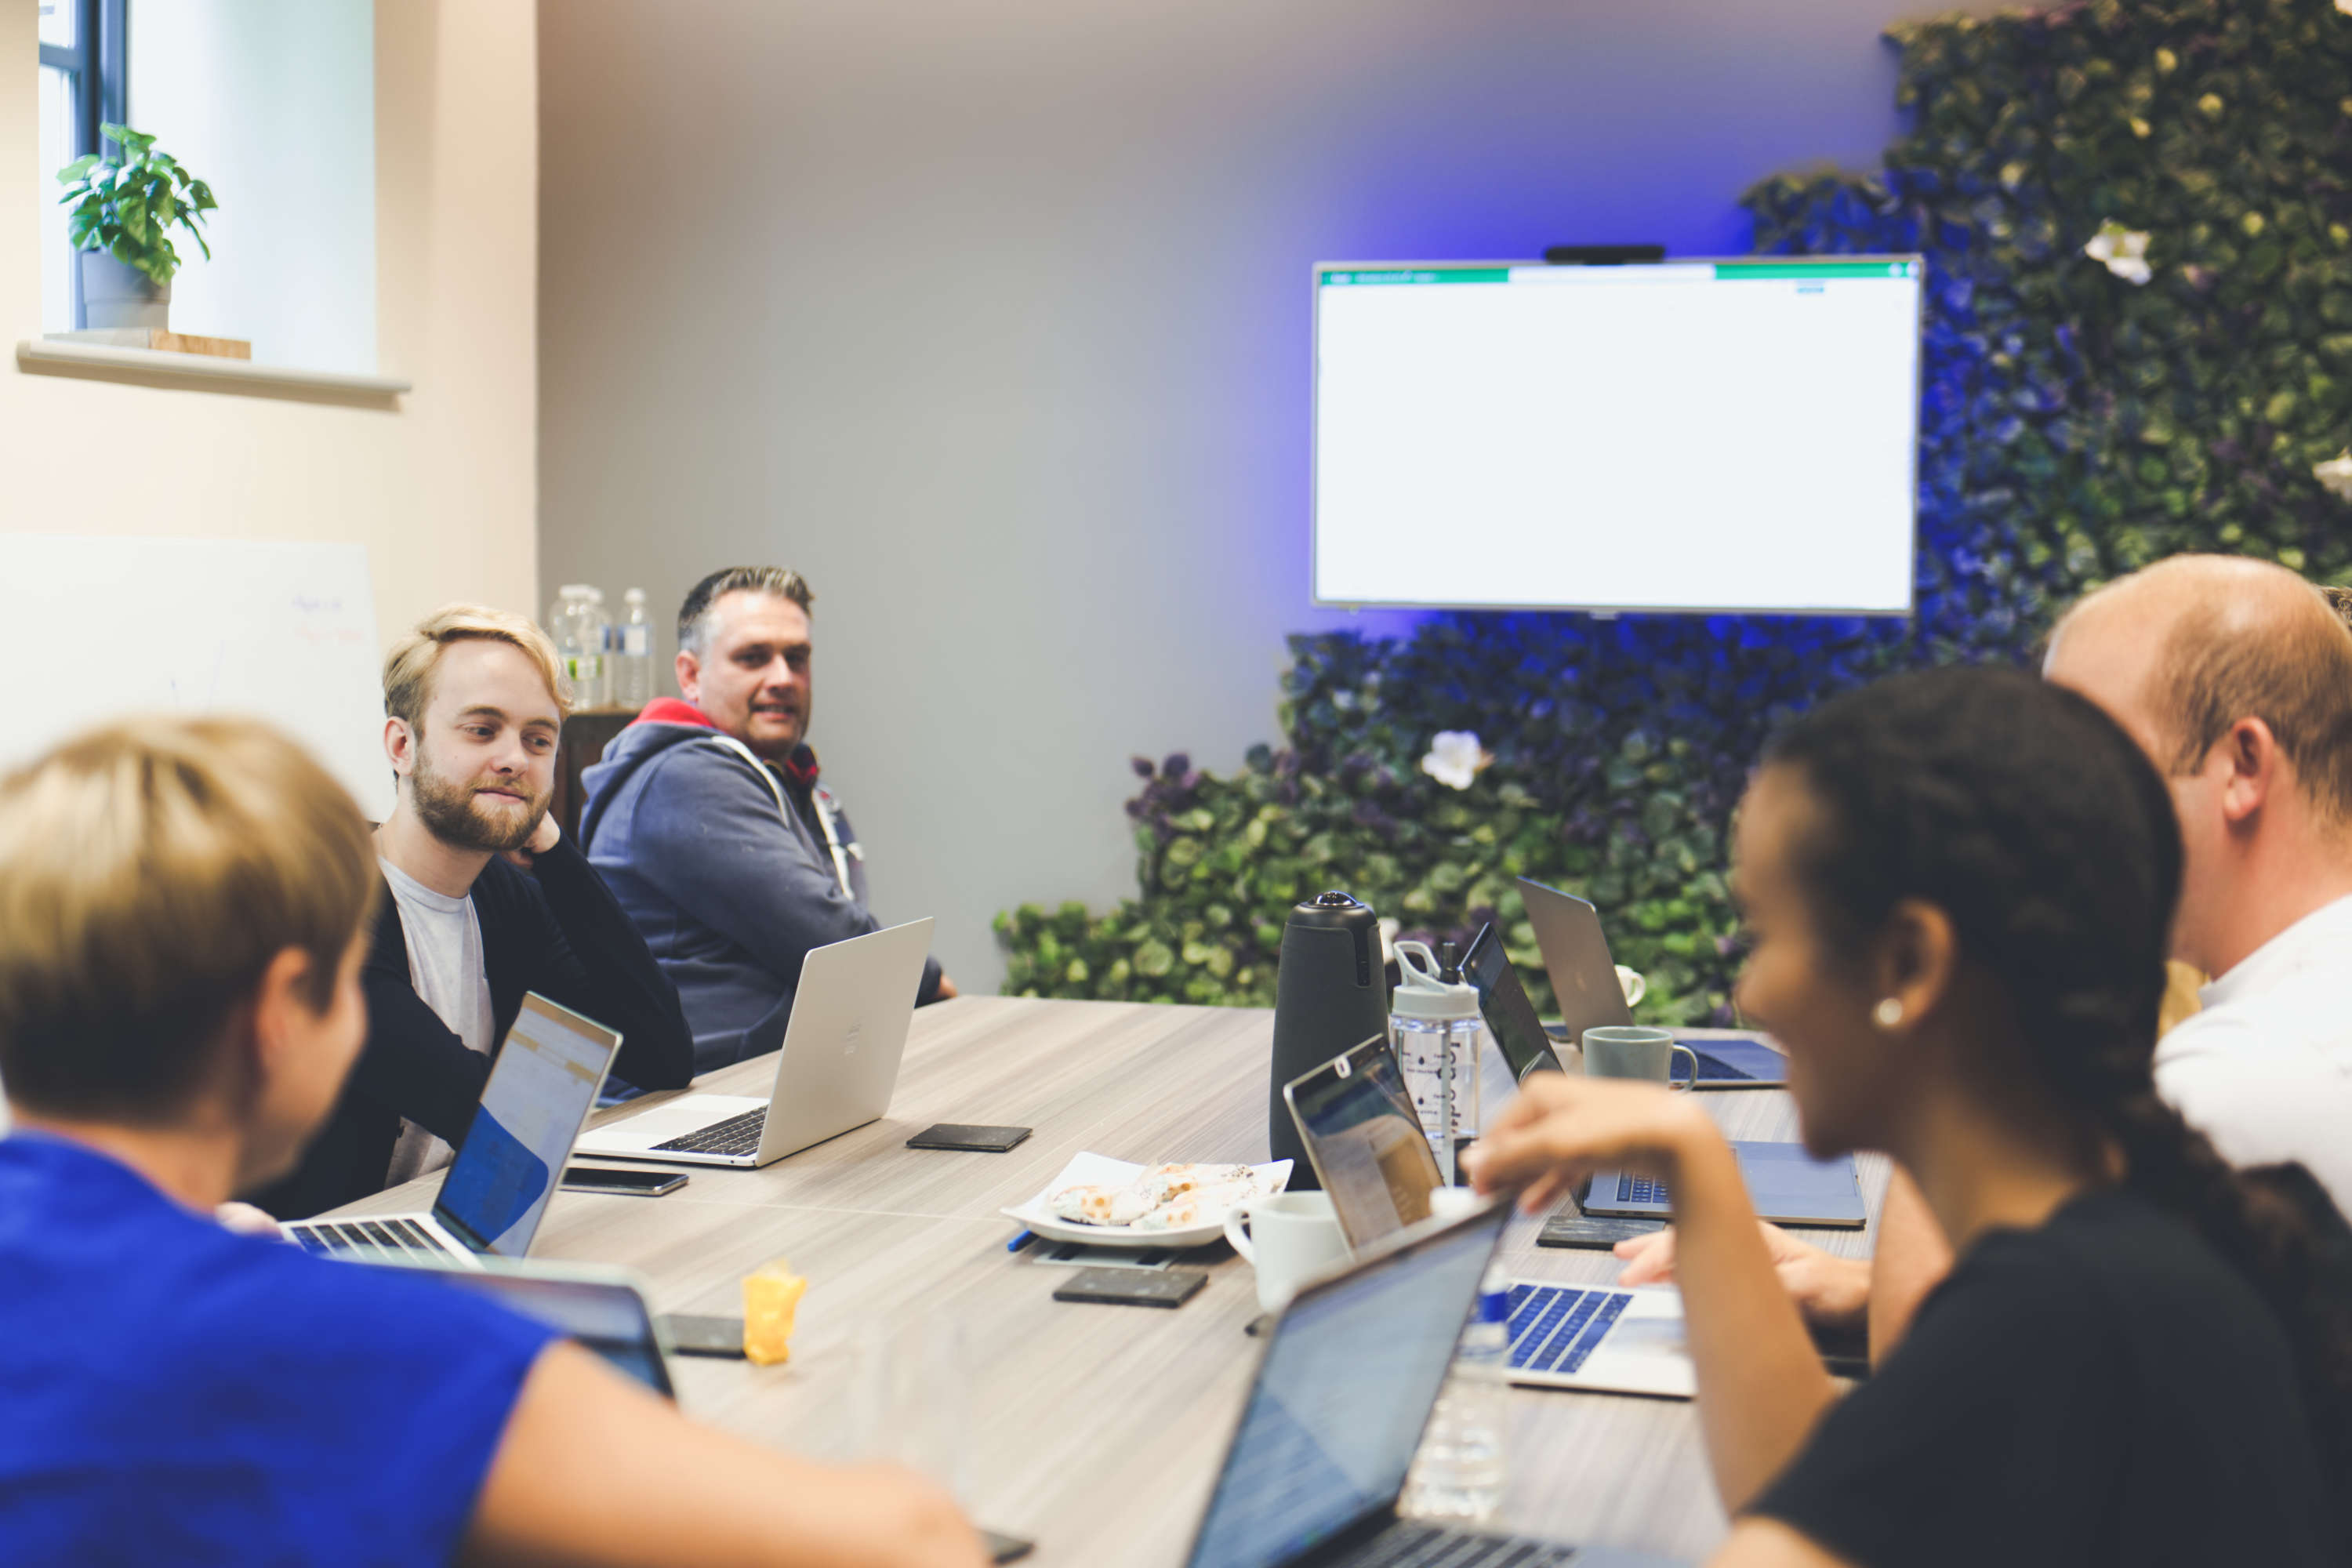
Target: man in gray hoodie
{"type": "Point", "coordinates": [706, 821]}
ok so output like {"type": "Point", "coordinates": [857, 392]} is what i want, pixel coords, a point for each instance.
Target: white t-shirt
{"type": "Point", "coordinates": [445, 965]}
{"type": "Point", "coordinates": [2265, 1070]}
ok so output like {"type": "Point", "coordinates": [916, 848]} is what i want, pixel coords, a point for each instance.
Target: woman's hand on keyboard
{"type": "Point", "coordinates": [1833, 1292]}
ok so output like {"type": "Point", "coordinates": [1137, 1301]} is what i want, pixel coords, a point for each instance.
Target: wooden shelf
{"type": "Point", "coordinates": [110, 363]}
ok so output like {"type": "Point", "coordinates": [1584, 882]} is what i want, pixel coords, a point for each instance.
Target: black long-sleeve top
{"type": "Point", "coordinates": [555, 929]}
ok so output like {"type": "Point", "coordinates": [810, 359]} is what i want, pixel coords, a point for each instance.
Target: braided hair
{"type": "Point", "coordinates": [2042, 832]}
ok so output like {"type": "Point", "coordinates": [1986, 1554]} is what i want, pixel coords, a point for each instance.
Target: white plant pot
{"type": "Point", "coordinates": [115, 295]}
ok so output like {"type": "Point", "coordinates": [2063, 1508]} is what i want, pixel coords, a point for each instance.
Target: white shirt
{"type": "Point", "coordinates": [2265, 1070]}
{"type": "Point", "coordinates": [445, 965]}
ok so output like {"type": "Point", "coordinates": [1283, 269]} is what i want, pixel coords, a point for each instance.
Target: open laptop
{"type": "Point", "coordinates": [1503, 1004]}
{"type": "Point", "coordinates": [1787, 1185]}
{"type": "Point", "coordinates": [601, 1308]}
{"type": "Point", "coordinates": [1343, 1389]}
{"type": "Point", "coordinates": [1368, 1149]}
{"type": "Point", "coordinates": [1584, 979]}
{"type": "Point", "coordinates": [494, 1192]}
{"type": "Point", "coordinates": [836, 1072]}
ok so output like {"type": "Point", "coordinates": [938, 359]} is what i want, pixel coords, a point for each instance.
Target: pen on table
{"type": "Point", "coordinates": [1021, 1240]}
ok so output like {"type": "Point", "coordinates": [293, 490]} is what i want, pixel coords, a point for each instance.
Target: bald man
{"type": "Point", "coordinates": [2235, 678]}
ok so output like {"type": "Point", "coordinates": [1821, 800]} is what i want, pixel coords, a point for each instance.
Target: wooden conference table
{"type": "Point", "coordinates": [1094, 1430]}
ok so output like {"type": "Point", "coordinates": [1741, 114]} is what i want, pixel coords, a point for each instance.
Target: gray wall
{"type": "Point", "coordinates": [993, 320]}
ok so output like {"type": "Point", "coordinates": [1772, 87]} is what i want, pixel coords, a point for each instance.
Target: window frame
{"type": "Point", "coordinates": [99, 65]}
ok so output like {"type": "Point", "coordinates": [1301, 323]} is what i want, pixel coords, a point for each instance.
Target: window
{"type": "Point", "coordinates": [82, 78]}
{"type": "Point", "coordinates": [273, 103]}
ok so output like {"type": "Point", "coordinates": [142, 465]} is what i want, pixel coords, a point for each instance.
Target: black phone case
{"type": "Point", "coordinates": [1133, 1286]}
{"type": "Point", "coordinates": [1599, 1232]}
{"type": "Point", "coordinates": [691, 1334]}
{"type": "Point", "coordinates": [569, 1185]}
{"type": "Point", "coordinates": [1005, 1548]}
{"type": "Point", "coordinates": [969, 1137]}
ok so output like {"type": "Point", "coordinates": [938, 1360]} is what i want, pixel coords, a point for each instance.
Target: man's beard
{"type": "Point", "coordinates": [447, 809]}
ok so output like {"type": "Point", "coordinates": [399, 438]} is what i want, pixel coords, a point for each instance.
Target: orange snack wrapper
{"type": "Point", "coordinates": [772, 1296]}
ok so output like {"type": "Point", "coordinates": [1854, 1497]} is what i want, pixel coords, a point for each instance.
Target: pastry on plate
{"type": "Point", "coordinates": [1201, 1206]}
{"type": "Point", "coordinates": [1162, 1182]}
{"type": "Point", "coordinates": [1099, 1206]}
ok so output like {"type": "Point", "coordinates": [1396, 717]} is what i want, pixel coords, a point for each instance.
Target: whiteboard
{"type": "Point", "coordinates": [100, 629]}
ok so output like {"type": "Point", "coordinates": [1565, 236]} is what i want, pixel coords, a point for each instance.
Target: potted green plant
{"type": "Point", "coordinates": [121, 213]}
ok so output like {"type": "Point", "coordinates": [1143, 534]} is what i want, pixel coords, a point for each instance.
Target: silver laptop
{"type": "Point", "coordinates": [495, 1192]}
{"type": "Point", "coordinates": [1366, 1145]}
{"type": "Point", "coordinates": [1584, 979]}
{"type": "Point", "coordinates": [1349, 1375]}
{"type": "Point", "coordinates": [836, 1072]}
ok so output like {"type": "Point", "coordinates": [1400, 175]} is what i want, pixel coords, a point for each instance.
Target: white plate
{"type": "Point", "coordinates": [1101, 1171]}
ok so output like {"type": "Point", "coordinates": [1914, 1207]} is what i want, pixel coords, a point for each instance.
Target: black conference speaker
{"type": "Point", "coordinates": [1331, 995]}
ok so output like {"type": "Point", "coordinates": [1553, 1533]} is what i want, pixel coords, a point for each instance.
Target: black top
{"type": "Point", "coordinates": [2104, 1390]}
{"type": "Point", "coordinates": [555, 929]}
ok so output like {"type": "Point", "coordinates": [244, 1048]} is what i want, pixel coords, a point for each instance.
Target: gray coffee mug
{"type": "Point", "coordinates": [1627, 1050]}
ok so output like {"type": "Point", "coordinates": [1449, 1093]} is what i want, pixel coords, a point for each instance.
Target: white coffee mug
{"type": "Point", "coordinates": [1633, 983]}
{"type": "Point", "coordinates": [1288, 1239]}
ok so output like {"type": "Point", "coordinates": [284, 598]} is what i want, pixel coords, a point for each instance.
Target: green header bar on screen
{"type": "Point", "coordinates": [1734, 271]}
{"type": "Point", "coordinates": [1426, 275]}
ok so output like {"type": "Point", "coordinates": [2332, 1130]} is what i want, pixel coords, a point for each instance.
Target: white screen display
{"type": "Point", "coordinates": [1688, 436]}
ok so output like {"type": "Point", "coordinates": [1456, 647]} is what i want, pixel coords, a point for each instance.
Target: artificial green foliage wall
{"type": "Point", "coordinates": [2073, 424]}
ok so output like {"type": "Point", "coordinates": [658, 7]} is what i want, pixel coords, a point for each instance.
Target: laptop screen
{"type": "Point", "coordinates": [1502, 1002]}
{"type": "Point", "coordinates": [1367, 1142]}
{"type": "Point", "coordinates": [607, 1317]}
{"type": "Point", "coordinates": [1576, 956]}
{"type": "Point", "coordinates": [540, 1093]}
{"type": "Point", "coordinates": [1340, 1399]}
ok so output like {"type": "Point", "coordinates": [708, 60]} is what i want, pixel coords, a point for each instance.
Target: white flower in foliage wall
{"type": "Point", "coordinates": [1455, 758]}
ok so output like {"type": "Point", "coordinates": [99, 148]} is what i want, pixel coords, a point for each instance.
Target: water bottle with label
{"type": "Point", "coordinates": [1435, 1027]}
{"type": "Point", "coordinates": [578, 645]}
{"type": "Point", "coordinates": [633, 647]}
{"type": "Point", "coordinates": [595, 637]}
{"type": "Point", "coordinates": [1462, 1468]}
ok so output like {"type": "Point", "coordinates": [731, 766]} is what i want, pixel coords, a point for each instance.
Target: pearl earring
{"type": "Point", "coordinates": [1888, 1013]}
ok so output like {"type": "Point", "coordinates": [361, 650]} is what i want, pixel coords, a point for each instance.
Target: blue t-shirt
{"type": "Point", "coordinates": [172, 1393]}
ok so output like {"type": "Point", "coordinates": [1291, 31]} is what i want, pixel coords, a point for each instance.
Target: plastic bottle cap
{"type": "Point", "coordinates": [634, 597]}
{"type": "Point", "coordinates": [1419, 994]}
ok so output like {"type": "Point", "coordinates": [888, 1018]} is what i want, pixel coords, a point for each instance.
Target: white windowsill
{"type": "Point", "coordinates": [45, 356]}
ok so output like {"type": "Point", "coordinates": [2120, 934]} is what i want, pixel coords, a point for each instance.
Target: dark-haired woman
{"type": "Point", "coordinates": [1957, 886]}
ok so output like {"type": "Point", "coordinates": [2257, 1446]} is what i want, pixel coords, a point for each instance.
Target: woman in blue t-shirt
{"type": "Point", "coordinates": [184, 908]}
{"type": "Point", "coordinates": [1958, 888]}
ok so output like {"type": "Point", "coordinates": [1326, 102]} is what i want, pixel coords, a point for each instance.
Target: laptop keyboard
{"type": "Point", "coordinates": [367, 1238]}
{"type": "Point", "coordinates": [1555, 1328]}
{"type": "Point", "coordinates": [1408, 1545]}
{"type": "Point", "coordinates": [1641, 1190]}
{"type": "Point", "coordinates": [736, 1135]}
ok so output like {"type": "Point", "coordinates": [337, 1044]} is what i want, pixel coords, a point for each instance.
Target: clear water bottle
{"type": "Point", "coordinates": [595, 639]}
{"type": "Point", "coordinates": [1463, 1465]}
{"type": "Point", "coordinates": [579, 644]}
{"type": "Point", "coordinates": [1436, 1029]}
{"type": "Point", "coordinates": [633, 653]}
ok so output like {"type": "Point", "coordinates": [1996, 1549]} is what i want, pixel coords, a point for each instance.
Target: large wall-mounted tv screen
{"type": "Point", "coordinates": [1689, 436]}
